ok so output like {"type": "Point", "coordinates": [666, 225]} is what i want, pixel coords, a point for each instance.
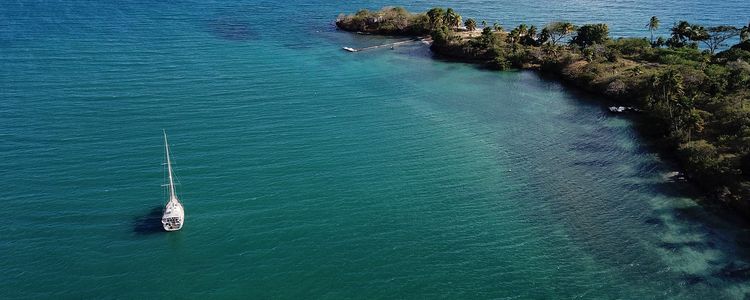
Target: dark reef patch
{"type": "Point", "coordinates": [231, 28]}
{"type": "Point", "coordinates": [594, 163]}
{"type": "Point", "coordinates": [691, 279]}
{"type": "Point", "coordinates": [654, 221]}
{"type": "Point", "coordinates": [735, 272]}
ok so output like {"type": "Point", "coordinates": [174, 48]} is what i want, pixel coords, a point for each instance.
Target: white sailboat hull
{"type": "Point", "coordinates": [174, 216]}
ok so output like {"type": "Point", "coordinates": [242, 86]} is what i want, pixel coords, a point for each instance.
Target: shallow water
{"type": "Point", "coordinates": [307, 171]}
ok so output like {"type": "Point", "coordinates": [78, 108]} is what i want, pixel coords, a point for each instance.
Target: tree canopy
{"type": "Point", "coordinates": [653, 24]}
{"type": "Point", "coordinates": [590, 34]}
{"type": "Point", "coordinates": [451, 18]}
{"type": "Point", "coordinates": [470, 24]}
{"type": "Point", "coordinates": [556, 31]}
{"type": "Point", "coordinates": [715, 37]}
{"type": "Point", "coordinates": [436, 15]}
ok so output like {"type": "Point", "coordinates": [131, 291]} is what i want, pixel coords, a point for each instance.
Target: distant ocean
{"type": "Point", "coordinates": [308, 172]}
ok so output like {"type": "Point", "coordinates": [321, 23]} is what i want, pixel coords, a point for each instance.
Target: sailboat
{"type": "Point", "coordinates": [174, 215]}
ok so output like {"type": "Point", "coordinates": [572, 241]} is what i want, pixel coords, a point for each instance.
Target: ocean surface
{"type": "Point", "coordinates": [309, 172]}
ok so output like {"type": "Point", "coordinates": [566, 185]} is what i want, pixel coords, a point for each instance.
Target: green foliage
{"type": "Point", "coordinates": [744, 45]}
{"type": "Point", "coordinates": [501, 62]}
{"type": "Point", "coordinates": [516, 35]}
{"type": "Point", "coordinates": [441, 36]}
{"type": "Point", "coordinates": [745, 33]}
{"type": "Point", "coordinates": [739, 74]}
{"type": "Point", "coordinates": [667, 94]}
{"type": "Point", "coordinates": [716, 82]}
{"type": "Point", "coordinates": [451, 18]}
{"type": "Point", "coordinates": [544, 36]}
{"type": "Point", "coordinates": [521, 56]}
{"type": "Point", "coordinates": [612, 54]}
{"type": "Point", "coordinates": [675, 56]}
{"type": "Point", "coordinates": [436, 16]}
{"type": "Point", "coordinates": [388, 20]}
{"type": "Point", "coordinates": [557, 31]}
{"type": "Point", "coordinates": [497, 26]}
{"type": "Point", "coordinates": [530, 39]}
{"type": "Point", "coordinates": [590, 34]}
{"type": "Point", "coordinates": [685, 34]}
{"type": "Point", "coordinates": [488, 38]}
{"type": "Point", "coordinates": [633, 47]}
{"type": "Point", "coordinates": [589, 53]}
{"type": "Point", "coordinates": [732, 54]}
{"type": "Point", "coordinates": [701, 157]}
{"type": "Point", "coordinates": [470, 24]}
{"type": "Point", "coordinates": [660, 42]}
{"type": "Point", "coordinates": [652, 25]}
{"type": "Point", "coordinates": [715, 37]}
{"type": "Point", "coordinates": [420, 24]}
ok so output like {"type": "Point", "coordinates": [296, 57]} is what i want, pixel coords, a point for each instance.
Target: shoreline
{"type": "Point", "coordinates": [686, 98]}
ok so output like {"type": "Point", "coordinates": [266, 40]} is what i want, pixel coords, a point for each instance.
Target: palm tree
{"type": "Point", "coordinates": [497, 27]}
{"type": "Point", "coordinates": [652, 25]}
{"type": "Point", "coordinates": [684, 32]}
{"type": "Point", "coordinates": [436, 16]}
{"type": "Point", "coordinates": [451, 18]}
{"type": "Point", "coordinates": [559, 30]}
{"type": "Point", "coordinates": [694, 122]}
{"type": "Point", "coordinates": [531, 36]}
{"type": "Point", "coordinates": [514, 35]}
{"type": "Point", "coordinates": [471, 25]}
{"type": "Point", "coordinates": [543, 36]}
{"type": "Point", "coordinates": [667, 90]}
{"type": "Point", "coordinates": [679, 32]}
{"type": "Point", "coordinates": [457, 20]}
{"type": "Point", "coordinates": [523, 29]}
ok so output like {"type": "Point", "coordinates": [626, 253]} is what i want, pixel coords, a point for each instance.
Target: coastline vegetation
{"type": "Point", "coordinates": [695, 101]}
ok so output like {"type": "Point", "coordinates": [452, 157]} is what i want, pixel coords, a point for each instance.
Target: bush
{"type": "Point", "coordinates": [732, 55]}
{"type": "Point", "coordinates": [678, 56]}
{"type": "Point", "coordinates": [388, 20]}
{"type": "Point", "coordinates": [521, 56]}
{"type": "Point", "coordinates": [716, 82]}
{"type": "Point", "coordinates": [616, 88]}
{"type": "Point", "coordinates": [590, 34]}
{"type": "Point", "coordinates": [501, 62]}
{"type": "Point", "coordinates": [631, 46]}
{"type": "Point", "coordinates": [702, 157]}
{"type": "Point", "coordinates": [742, 46]}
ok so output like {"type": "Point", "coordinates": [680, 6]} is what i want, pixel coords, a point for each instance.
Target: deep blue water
{"type": "Point", "coordinates": [310, 172]}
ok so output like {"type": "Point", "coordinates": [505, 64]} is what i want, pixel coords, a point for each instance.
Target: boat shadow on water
{"type": "Point", "coordinates": [149, 223]}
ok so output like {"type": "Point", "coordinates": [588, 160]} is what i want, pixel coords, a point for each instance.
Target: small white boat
{"type": "Point", "coordinates": [350, 49]}
{"type": "Point", "coordinates": [622, 109]}
{"type": "Point", "coordinates": [174, 214]}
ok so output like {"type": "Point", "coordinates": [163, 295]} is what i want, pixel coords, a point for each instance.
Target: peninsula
{"type": "Point", "coordinates": [694, 99]}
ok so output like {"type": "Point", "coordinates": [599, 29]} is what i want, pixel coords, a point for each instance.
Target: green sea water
{"type": "Point", "coordinates": [310, 172]}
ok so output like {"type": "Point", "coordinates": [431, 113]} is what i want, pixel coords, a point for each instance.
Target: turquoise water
{"type": "Point", "coordinates": [309, 172]}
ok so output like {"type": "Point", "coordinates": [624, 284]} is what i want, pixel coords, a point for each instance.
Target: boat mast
{"type": "Point", "coordinates": [169, 169]}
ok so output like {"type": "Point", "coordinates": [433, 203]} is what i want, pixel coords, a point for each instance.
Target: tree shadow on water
{"type": "Point", "coordinates": [149, 223]}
